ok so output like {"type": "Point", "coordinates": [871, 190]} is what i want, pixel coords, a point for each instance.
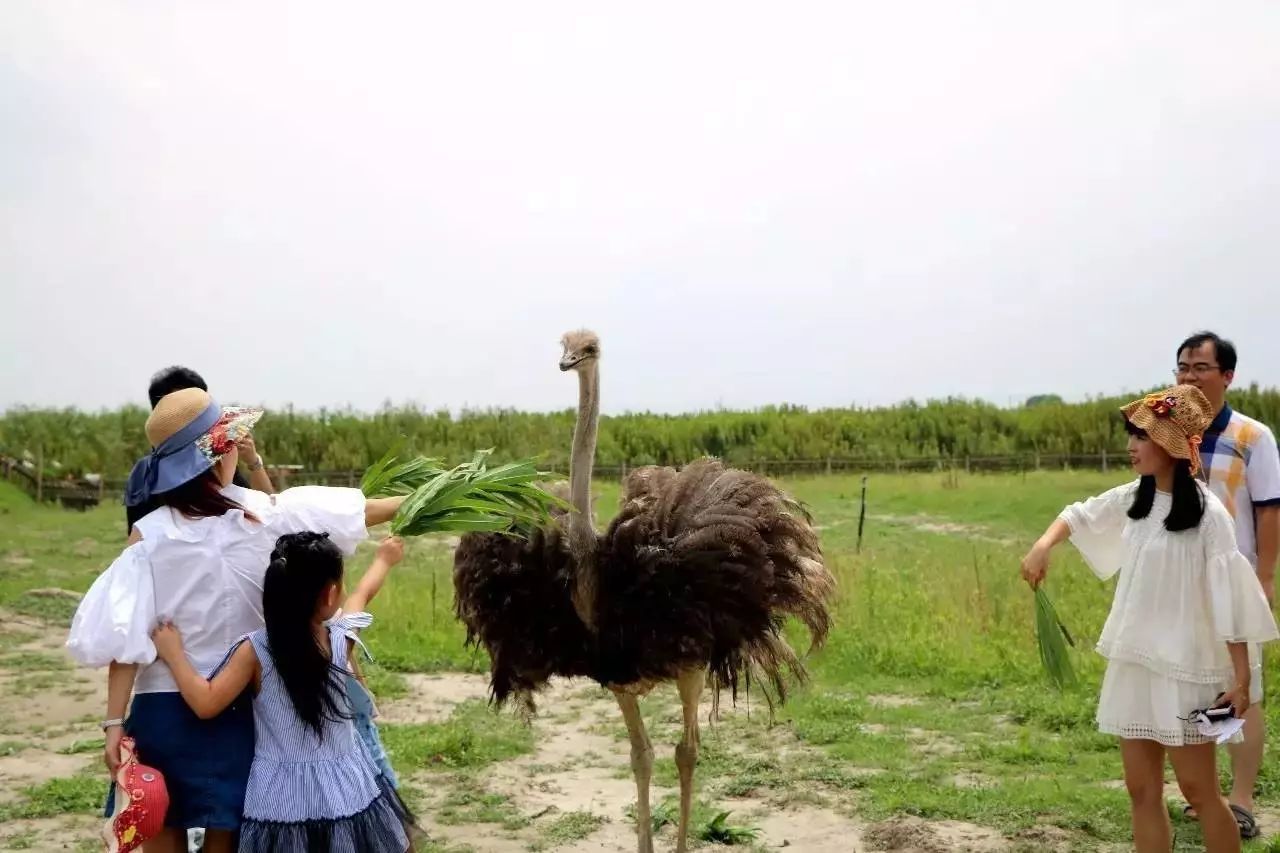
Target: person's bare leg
{"type": "Point", "coordinates": [219, 841]}
{"type": "Point", "coordinates": [168, 841]}
{"type": "Point", "coordinates": [1144, 779]}
{"type": "Point", "coordinates": [1246, 758]}
{"type": "Point", "coordinates": [1197, 770]}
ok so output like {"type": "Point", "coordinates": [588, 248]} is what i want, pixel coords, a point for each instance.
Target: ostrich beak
{"type": "Point", "coordinates": [568, 362]}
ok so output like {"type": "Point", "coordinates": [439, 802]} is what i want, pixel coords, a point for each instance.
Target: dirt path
{"type": "Point", "coordinates": [48, 733]}
{"type": "Point", "coordinates": [572, 793]}
{"type": "Point", "coordinates": [581, 766]}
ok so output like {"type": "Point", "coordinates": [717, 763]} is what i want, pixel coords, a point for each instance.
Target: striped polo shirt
{"type": "Point", "coordinates": [1242, 467]}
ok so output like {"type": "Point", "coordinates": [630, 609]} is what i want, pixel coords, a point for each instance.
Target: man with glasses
{"type": "Point", "coordinates": [1242, 467]}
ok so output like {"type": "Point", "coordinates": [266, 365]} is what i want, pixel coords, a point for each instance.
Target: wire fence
{"type": "Point", "coordinates": [80, 494]}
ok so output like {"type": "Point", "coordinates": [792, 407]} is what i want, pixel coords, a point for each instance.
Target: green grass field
{"type": "Point", "coordinates": [927, 701]}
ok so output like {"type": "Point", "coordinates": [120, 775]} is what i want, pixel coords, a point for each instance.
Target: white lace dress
{"type": "Point", "coordinates": [1181, 597]}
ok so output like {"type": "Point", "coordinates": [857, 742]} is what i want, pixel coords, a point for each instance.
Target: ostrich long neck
{"type": "Point", "coordinates": [582, 533]}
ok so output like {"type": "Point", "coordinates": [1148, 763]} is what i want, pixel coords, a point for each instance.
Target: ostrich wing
{"type": "Point", "coordinates": [703, 566]}
{"type": "Point", "coordinates": [513, 597]}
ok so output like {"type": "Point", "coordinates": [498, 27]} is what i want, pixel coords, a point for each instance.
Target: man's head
{"type": "Point", "coordinates": [1208, 362]}
{"type": "Point", "coordinates": [171, 379]}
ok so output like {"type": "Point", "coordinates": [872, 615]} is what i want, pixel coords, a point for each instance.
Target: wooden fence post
{"type": "Point", "coordinates": [862, 513]}
{"type": "Point", "coordinates": [40, 474]}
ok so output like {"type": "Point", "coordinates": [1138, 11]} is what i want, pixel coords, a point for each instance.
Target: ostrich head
{"type": "Point", "coordinates": [581, 348]}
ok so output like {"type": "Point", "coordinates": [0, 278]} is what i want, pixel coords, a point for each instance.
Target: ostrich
{"type": "Point", "coordinates": [694, 577]}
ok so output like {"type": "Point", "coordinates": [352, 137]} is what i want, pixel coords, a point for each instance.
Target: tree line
{"type": "Point", "coordinates": [108, 442]}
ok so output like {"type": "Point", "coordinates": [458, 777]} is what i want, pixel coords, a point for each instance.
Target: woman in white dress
{"type": "Point", "coordinates": [1187, 604]}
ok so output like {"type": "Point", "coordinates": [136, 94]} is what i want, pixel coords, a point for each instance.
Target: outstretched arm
{"type": "Point", "coordinates": [1036, 564]}
{"type": "Point", "coordinates": [390, 552]}
{"type": "Point", "coordinates": [208, 698]}
{"type": "Point", "coordinates": [381, 510]}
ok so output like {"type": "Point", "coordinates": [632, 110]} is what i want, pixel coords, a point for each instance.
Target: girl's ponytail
{"type": "Point", "coordinates": [302, 566]}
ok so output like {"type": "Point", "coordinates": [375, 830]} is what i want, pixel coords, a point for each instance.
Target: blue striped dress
{"type": "Point", "coordinates": [309, 794]}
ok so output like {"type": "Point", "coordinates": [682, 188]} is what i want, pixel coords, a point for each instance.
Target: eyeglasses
{"type": "Point", "coordinates": [1199, 369]}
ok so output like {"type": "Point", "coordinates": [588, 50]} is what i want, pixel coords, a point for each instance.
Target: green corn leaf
{"type": "Point", "coordinates": [470, 497]}
{"type": "Point", "coordinates": [1052, 638]}
{"type": "Point", "coordinates": [375, 478]}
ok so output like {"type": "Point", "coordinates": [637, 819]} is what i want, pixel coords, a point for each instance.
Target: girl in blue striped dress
{"type": "Point", "coordinates": [313, 786]}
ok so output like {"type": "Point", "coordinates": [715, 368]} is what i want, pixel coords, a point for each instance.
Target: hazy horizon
{"type": "Point", "coordinates": [570, 405]}
{"type": "Point", "coordinates": [826, 205]}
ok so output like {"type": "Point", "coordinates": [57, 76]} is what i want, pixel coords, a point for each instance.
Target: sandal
{"type": "Point", "coordinates": [1189, 812]}
{"type": "Point", "coordinates": [1247, 822]}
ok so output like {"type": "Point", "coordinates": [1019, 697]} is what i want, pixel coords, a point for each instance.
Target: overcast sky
{"type": "Point", "coordinates": [821, 204]}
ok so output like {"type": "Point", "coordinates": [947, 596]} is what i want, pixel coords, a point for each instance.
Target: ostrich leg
{"type": "Point", "coordinates": [690, 684]}
{"type": "Point", "coordinates": [641, 766]}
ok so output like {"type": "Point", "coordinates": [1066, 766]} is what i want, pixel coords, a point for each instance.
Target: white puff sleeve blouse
{"type": "Point", "coordinates": [204, 574]}
{"type": "Point", "coordinates": [1181, 596]}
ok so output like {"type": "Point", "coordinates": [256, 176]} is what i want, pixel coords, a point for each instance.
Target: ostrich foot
{"type": "Point", "coordinates": [690, 684]}
{"type": "Point", "coordinates": [641, 766]}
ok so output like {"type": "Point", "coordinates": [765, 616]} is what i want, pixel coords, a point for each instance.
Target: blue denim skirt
{"type": "Point", "coordinates": [205, 763]}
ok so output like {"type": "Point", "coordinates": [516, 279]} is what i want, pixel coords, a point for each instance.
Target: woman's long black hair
{"type": "Point", "coordinates": [1188, 502]}
{"type": "Point", "coordinates": [201, 497]}
{"type": "Point", "coordinates": [302, 566]}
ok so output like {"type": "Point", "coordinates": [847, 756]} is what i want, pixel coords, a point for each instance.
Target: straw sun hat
{"type": "Point", "coordinates": [188, 433]}
{"type": "Point", "coordinates": [1175, 419]}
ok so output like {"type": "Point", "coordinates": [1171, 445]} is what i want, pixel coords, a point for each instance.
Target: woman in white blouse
{"type": "Point", "coordinates": [1187, 604]}
{"type": "Point", "coordinates": [197, 561]}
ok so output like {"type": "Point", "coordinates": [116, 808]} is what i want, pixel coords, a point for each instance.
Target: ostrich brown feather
{"type": "Point", "coordinates": [513, 596]}
{"type": "Point", "coordinates": [699, 568]}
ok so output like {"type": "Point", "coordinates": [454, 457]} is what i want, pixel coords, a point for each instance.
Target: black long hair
{"type": "Point", "coordinates": [302, 566]}
{"type": "Point", "coordinates": [1188, 502]}
{"type": "Point", "coordinates": [201, 498]}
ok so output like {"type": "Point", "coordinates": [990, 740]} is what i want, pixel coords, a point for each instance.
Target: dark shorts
{"type": "Point", "coordinates": [205, 763]}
